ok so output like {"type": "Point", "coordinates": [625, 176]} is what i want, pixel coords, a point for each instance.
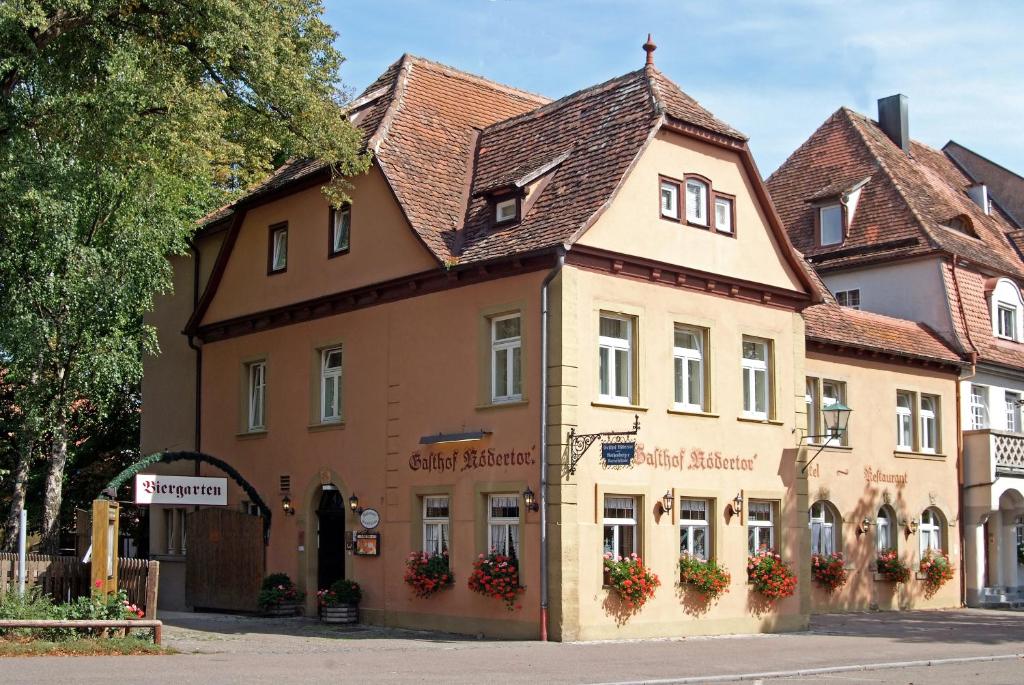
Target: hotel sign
{"type": "Point", "coordinates": [180, 490]}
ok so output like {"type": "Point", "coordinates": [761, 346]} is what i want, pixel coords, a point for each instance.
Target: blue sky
{"type": "Point", "coordinates": [774, 70]}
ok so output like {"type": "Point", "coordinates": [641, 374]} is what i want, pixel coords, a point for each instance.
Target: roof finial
{"type": "Point", "coordinates": [649, 48]}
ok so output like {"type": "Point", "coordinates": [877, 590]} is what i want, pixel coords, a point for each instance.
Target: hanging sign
{"type": "Point", "coordinates": [156, 489]}
{"type": "Point", "coordinates": [618, 453]}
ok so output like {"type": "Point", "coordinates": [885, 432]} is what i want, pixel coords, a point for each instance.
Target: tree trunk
{"type": "Point", "coordinates": [54, 494]}
{"type": "Point", "coordinates": [10, 532]}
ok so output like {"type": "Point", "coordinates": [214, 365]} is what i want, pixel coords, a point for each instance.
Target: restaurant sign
{"type": "Point", "coordinates": [180, 490]}
{"type": "Point", "coordinates": [618, 453]}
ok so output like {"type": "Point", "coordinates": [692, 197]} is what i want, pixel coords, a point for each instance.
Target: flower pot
{"type": "Point", "coordinates": [346, 613]}
{"type": "Point", "coordinates": [286, 608]}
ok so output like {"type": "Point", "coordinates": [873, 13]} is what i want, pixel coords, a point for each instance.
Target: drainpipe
{"type": "Point", "coordinates": [544, 444]}
{"type": "Point", "coordinates": [198, 426]}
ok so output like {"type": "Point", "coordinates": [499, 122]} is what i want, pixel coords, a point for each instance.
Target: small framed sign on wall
{"type": "Point", "coordinates": [367, 544]}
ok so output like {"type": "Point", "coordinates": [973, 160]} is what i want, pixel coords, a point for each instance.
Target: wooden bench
{"type": "Point", "coordinates": [155, 626]}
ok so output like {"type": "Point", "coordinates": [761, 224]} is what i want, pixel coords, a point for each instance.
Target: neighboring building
{"type": "Point", "coordinates": [392, 350]}
{"type": "Point", "coordinates": [1005, 188]}
{"type": "Point", "coordinates": [896, 227]}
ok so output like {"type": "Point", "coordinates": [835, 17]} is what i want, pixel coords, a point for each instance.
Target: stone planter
{"type": "Point", "coordinates": [283, 609]}
{"type": "Point", "coordinates": [347, 613]}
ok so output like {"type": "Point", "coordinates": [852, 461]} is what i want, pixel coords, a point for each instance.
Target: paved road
{"type": "Point", "coordinates": [227, 649]}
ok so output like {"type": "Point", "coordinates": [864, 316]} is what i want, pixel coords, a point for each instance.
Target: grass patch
{"type": "Point", "coordinates": [114, 646]}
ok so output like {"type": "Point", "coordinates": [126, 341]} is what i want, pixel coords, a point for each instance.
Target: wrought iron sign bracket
{"type": "Point", "coordinates": [579, 443]}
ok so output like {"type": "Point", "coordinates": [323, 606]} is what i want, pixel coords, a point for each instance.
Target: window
{"type": "Point", "coordinates": [506, 210]}
{"type": "Point", "coordinates": [257, 396]}
{"type": "Point", "coordinates": [174, 531]}
{"type": "Point", "coordinates": [760, 526]}
{"type": "Point", "coordinates": [1019, 527]}
{"type": "Point", "coordinates": [904, 421]}
{"type": "Point", "coordinates": [694, 531]}
{"type": "Point", "coordinates": [1013, 401]}
{"type": "Point", "coordinates": [615, 346]}
{"type": "Point", "coordinates": [278, 248]}
{"type": "Point", "coordinates": [1006, 322]}
{"type": "Point", "coordinates": [688, 358]}
{"type": "Point", "coordinates": [849, 298]}
{"type": "Point", "coordinates": [330, 385]}
{"type": "Point", "coordinates": [831, 225]}
{"type": "Point", "coordinates": [979, 407]}
{"type": "Point", "coordinates": [697, 202]}
{"type": "Point", "coordinates": [930, 531]}
{"type": "Point", "coordinates": [755, 378]}
{"type": "Point", "coordinates": [813, 407]}
{"type": "Point", "coordinates": [341, 225]}
{"type": "Point", "coordinates": [833, 392]}
{"type": "Point", "coordinates": [435, 524]}
{"type": "Point", "coordinates": [670, 200]}
{"type": "Point", "coordinates": [884, 539]}
{"type": "Point", "coordinates": [823, 528]}
{"type": "Point", "coordinates": [929, 423]}
{"type": "Point", "coordinates": [620, 528]}
{"type": "Point", "coordinates": [506, 358]}
{"type": "Point", "coordinates": [503, 524]}
{"type": "Point", "coordinates": [723, 214]}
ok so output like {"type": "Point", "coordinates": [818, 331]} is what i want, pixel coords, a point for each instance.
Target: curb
{"type": "Point", "coordinates": [728, 678]}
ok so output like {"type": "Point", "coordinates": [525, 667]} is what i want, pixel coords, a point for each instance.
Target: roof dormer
{"type": "Point", "coordinates": [834, 207]}
{"type": "Point", "coordinates": [1006, 308]}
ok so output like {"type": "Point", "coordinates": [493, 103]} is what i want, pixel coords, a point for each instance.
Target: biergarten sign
{"type": "Point", "coordinates": [618, 453]}
{"type": "Point", "coordinates": [180, 490]}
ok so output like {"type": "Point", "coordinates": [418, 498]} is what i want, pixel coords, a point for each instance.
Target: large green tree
{"type": "Point", "coordinates": [121, 123]}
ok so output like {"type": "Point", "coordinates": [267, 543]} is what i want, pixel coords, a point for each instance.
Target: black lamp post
{"type": "Point", "coordinates": [837, 418]}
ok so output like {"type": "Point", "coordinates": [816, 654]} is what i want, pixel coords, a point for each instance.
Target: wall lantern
{"type": "Point", "coordinates": [530, 500]}
{"type": "Point", "coordinates": [286, 504]}
{"type": "Point", "coordinates": [912, 525]}
{"type": "Point", "coordinates": [737, 503]}
{"type": "Point", "coordinates": [837, 418]}
{"type": "Point", "coordinates": [666, 501]}
{"type": "Point", "coordinates": [865, 525]}
{"type": "Point", "coordinates": [353, 504]}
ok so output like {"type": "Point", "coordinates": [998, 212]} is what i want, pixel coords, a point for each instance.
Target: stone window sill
{"type": "Point", "coordinates": [613, 405]}
{"type": "Point", "coordinates": [252, 435]}
{"type": "Point", "coordinates": [926, 456]}
{"type": "Point", "coordinates": [325, 426]}
{"type": "Point", "coordinates": [501, 405]}
{"type": "Point", "coordinates": [754, 419]}
{"type": "Point", "coordinates": [684, 412]}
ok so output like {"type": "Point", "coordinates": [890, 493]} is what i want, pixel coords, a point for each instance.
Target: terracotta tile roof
{"type": "Point", "coordinates": [972, 322]}
{"type": "Point", "coordinates": [908, 201]}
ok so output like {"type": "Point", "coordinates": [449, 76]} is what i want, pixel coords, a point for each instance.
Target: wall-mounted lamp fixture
{"type": "Point", "coordinates": [865, 525]}
{"type": "Point", "coordinates": [912, 525]}
{"type": "Point", "coordinates": [737, 503]}
{"type": "Point", "coordinates": [837, 418]}
{"type": "Point", "coordinates": [286, 505]}
{"type": "Point", "coordinates": [353, 504]}
{"type": "Point", "coordinates": [666, 502]}
{"type": "Point", "coordinates": [530, 500]}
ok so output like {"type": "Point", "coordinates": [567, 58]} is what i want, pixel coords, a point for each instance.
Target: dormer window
{"type": "Point", "coordinates": [506, 210]}
{"type": "Point", "coordinates": [696, 202]}
{"type": "Point", "coordinates": [1007, 306]}
{"type": "Point", "coordinates": [962, 224]}
{"type": "Point", "coordinates": [830, 225]}
{"type": "Point", "coordinates": [1006, 321]}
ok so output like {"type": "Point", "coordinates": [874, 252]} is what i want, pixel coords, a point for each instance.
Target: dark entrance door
{"type": "Point", "coordinates": [330, 537]}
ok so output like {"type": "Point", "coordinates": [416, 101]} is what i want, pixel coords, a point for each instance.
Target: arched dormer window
{"type": "Point", "coordinates": [1007, 308]}
{"type": "Point", "coordinates": [962, 224]}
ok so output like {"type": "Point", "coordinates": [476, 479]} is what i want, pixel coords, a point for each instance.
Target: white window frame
{"type": "Point", "coordinates": [681, 359]}
{"type": "Point", "coordinates": [612, 345]}
{"type": "Point", "coordinates": [1006, 321]}
{"type": "Point", "coordinates": [507, 347]}
{"type": "Point", "coordinates": [688, 527]}
{"type": "Point", "coordinates": [929, 531]}
{"type": "Point", "coordinates": [330, 377]}
{"type": "Point", "coordinates": [812, 399]}
{"type": "Point", "coordinates": [501, 210]}
{"type": "Point", "coordinates": [256, 396]}
{"type": "Point", "coordinates": [618, 523]}
{"type": "Point", "coordinates": [730, 205]}
{"type": "Point", "coordinates": [1006, 297]}
{"type": "Point", "coordinates": [342, 220]}
{"type": "Point", "coordinates": [929, 424]}
{"type": "Point", "coordinates": [822, 522]}
{"type": "Point", "coordinates": [700, 218]}
{"type": "Point", "coordinates": [279, 254]}
{"type": "Point", "coordinates": [979, 407]}
{"type": "Point", "coordinates": [849, 298]}
{"type": "Point", "coordinates": [751, 368]}
{"type": "Point", "coordinates": [669, 191]}
{"type": "Point", "coordinates": [905, 421]}
{"type": "Point", "coordinates": [828, 210]}
{"type": "Point", "coordinates": [499, 527]}
{"type": "Point", "coordinates": [884, 521]}
{"type": "Point", "coordinates": [760, 527]}
{"type": "Point", "coordinates": [827, 400]}
{"type": "Point", "coordinates": [436, 529]}
{"type": "Point", "coordinates": [1013, 423]}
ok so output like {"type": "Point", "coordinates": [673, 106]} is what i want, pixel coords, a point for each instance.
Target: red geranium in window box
{"type": "Point", "coordinates": [829, 570]}
{"type": "Point", "coordinates": [628, 577]}
{"type": "Point", "coordinates": [770, 575]}
{"type": "Point", "coordinates": [427, 573]}
{"type": "Point", "coordinates": [496, 575]}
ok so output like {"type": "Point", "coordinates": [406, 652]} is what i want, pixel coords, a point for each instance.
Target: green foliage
{"type": "Point", "coordinates": [34, 605]}
{"type": "Point", "coordinates": [709, 577]}
{"type": "Point", "coordinates": [276, 589]}
{"type": "Point", "coordinates": [342, 592]}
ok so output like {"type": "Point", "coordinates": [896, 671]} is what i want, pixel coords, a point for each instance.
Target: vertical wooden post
{"type": "Point", "coordinates": [105, 515]}
{"type": "Point", "coordinates": [152, 588]}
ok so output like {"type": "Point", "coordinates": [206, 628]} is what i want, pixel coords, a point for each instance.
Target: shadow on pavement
{"type": "Point", "coordinates": [964, 626]}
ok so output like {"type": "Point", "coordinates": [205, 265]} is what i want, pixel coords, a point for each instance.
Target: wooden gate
{"type": "Point", "coordinates": [224, 564]}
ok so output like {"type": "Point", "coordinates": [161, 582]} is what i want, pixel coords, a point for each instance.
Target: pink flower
{"type": "Point", "coordinates": [99, 583]}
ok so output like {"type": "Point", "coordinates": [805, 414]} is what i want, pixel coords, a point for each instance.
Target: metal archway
{"type": "Point", "coordinates": [168, 457]}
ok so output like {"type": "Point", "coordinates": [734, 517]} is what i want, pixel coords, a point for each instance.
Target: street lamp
{"type": "Point", "coordinates": [837, 418]}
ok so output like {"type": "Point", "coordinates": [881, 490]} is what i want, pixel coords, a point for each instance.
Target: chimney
{"type": "Point", "coordinates": [892, 118]}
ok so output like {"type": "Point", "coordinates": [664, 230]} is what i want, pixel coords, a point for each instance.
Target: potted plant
{"type": "Point", "coordinates": [889, 567]}
{"type": "Point", "coordinates": [279, 596]}
{"type": "Point", "coordinates": [829, 570]}
{"type": "Point", "coordinates": [627, 576]}
{"type": "Point", "coordinates": [770, 575]}
{"type": "Point", "coordinates": [706, 577]}
{"type": "Point", "coordinates": [428, 573]}
{"type": "Point", "coordinates": [340, 602]}
{"type": "Point", "coordinates": [937, 571]}
{"type": "Point", "coordinates": [496, 575]}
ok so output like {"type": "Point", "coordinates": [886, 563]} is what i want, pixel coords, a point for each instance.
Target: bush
{"type": "Point", "coordinates": [770, 575]}
{"type": "Point", "coordinates": [496, 575]}
{"type": "Point", "coordinates": [707, 577]}
{"type": "Point", "coordinates": [342, 593]}
{"type": "Point", "coordinates": [829, 570]}
{"type": "Point", "coordinates": [891, 568]}
{"type": "Point", "coordinates": [34, 605]}
{"type": "Point", "coordinates": [630, 579]}
{"type": "Point", "coordinates": [937, 571]}
{"type": "Point", "coordinates": [276, 589]}
{"type": "Point", "coordinates": [428, 573]}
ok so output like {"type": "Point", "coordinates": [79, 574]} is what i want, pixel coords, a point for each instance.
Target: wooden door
{"type": "Point", "coordinates": [224, 560]}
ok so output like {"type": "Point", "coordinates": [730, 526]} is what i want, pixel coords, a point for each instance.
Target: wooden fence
{"type": "Point", "coordinates": [66, 578]}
